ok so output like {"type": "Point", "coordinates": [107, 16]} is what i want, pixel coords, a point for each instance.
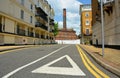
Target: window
{"type": "Point", "coordinates": [87, 14]}
{"type": "Point", "coordinates": [30, 19]}
{"type": "Point", "coordinates": [119, 7]}
{"type": "Point", "coordinates": [22, 14]}
{"type": "Point", "coordinates": [0, 24]}
{"type": "Point", "coordinates": [38, 3]}
{"type": "Point", "coordinates": [22, 2]}
{"type": "Point", "coordinates": [87, 32]}
{"type": "Point", "coordinates": [31, 7]}
{"type": "Point", "coordinates": [87, 22]}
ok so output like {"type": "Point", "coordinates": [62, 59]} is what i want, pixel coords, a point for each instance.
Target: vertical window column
{"type": "Point", "coordinates": [0, 23]}
{"type": "Point", "coordinates": [31, 8]}
{"type": "Point", "coordinates": [22, 2]}
{"type": "Point", "coordinates": [31, 19]}
{"type": "Point", "coordinates": [3, 24]}
{"type": "Point", "coordinates": [22, 14]}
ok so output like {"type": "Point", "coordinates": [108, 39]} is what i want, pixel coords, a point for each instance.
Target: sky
{"type": "Point", "coordinates": [72, 12]}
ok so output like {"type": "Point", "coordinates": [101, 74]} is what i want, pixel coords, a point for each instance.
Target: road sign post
{"type": "Point", "coordinates": [102, 25]}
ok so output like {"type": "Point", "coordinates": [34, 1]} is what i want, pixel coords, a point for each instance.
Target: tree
{"type": "Point", "coordinates": [55, 29]}
{"type": "Point", "coordinates": [79, 36]}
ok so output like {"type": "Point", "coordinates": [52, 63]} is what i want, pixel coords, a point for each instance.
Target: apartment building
{"type": "Point", "coordinates": [111, 23]}
{"type": "Point", "coordinates": [26, 22]}
{"type": "Point", "coordinates": [86, 23]}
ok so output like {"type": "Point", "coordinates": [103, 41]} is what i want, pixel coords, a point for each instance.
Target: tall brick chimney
{"type": "Point", "coordinates": [64, 18]}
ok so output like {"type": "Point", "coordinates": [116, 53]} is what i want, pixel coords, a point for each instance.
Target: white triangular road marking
{"type": "Point", "coordinates": [74, 70]}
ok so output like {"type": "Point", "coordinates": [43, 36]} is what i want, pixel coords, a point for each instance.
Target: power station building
{"type": "Point", "coordinates": [26, 22]}
{"type": "Point", "coordinates": [66, 36]}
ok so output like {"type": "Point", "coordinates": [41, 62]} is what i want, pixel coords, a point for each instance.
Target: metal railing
{"type": "Point", "coordinates": [37, 35]}
{"type": "Point", "coordinates": [0, 27]}
{"type": "Point", "coordinates": [30, 34]}
{"type": "Point", "coordinates": [38, 24]}
{"type": "Point", "coordinates": [21, 32]}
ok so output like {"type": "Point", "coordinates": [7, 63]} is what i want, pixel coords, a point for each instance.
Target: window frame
{"type": "Point", "coordinates": [22, 14]}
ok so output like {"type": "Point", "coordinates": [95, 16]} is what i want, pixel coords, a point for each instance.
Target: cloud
{"type": "Point", "coordinates": [72, 8]}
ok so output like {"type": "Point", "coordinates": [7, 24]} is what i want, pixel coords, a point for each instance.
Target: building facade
{"type": "Point", "coordinates": [111, 23]}
{"type": "Point", "coordinates": [26, 22]}
{"type": "Point", "coordinates": [86, 23]}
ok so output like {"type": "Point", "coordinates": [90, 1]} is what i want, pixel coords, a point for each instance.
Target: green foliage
{"type": "Point", "coordinates": [55, 29]}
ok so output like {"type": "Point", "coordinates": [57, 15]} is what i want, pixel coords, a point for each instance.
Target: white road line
{"type": "Point", "coordinates": [20, 68]}
{"type": "Point", "coordinates": [74, 70]}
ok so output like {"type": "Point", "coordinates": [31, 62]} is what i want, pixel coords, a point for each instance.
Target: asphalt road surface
{"type": "Point", "coordinates": [50, 61]}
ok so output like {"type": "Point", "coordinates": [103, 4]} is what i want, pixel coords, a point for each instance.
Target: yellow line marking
{"type": "Point", "coordinates": [17, 49]}
{"type": "Point", "coordinates": [87, 66]}
{"type": "Point", "coordinates": [93, 66]}
{"type": "Point", "coordinates": [11, 51]}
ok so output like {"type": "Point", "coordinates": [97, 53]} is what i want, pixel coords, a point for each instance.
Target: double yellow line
{"type": "Point", "coordinates": [90, 66]}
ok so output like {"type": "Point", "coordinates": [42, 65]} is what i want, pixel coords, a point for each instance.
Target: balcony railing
{"type": "Point", "coordinates": [0, 27]}
{"type": "Point", "coordinates": [30, 34]}
{"type": "Point", "coordinates": [38, 24]}
{"type": "Point", "coordinates": [37, 35]}
{"type": "Point", "coordinates": [52, 31]}
{"type": "Point", "coordinates": [42, 36]}
{"type": "Point", "coordinates": [51, 22]}
{"type": "Point", "coordinates": [41, 13]}
{"type": "Point", "coordinates": [42, 16]}
{"type": "Point", "coordinates": [21, 32]}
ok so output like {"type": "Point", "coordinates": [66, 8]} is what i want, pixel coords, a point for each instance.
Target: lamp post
{"type": "Point", "coordinates": [102, 25]}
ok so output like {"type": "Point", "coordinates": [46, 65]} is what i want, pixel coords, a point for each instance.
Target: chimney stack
{"type": "Point", "coordinates": [64, 18]}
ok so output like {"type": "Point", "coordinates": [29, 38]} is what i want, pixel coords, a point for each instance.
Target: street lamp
{"type": "Point", "coordinates": [102, 25]}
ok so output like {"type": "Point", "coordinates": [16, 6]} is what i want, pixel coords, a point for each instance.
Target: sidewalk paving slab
{"type": "Point", "coordinates": [110, 61]}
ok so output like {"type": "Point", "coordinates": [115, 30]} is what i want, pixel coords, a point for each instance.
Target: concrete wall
{"type": "Point", "coordinates": [111, 29]}
{"type": "Point", "coordinates": [68, 41]}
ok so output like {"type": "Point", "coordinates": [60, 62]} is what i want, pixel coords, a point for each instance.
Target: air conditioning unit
{"type": "Point", "coordinates": [107, 1]}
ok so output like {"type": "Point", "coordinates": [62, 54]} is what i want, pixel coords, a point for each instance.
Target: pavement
{"type": "Point", "coordinates": [110, 60]}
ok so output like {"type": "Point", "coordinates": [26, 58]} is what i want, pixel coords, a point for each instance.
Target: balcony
{"type": "Point", "coordinates": [38, 24]}
{"type": "Point", "coordinates": [107, 1]}
{"type": "Point", "coordinates": [30, 34]}
{"type": "Point", "coordinates": [52, 31]}
{"type": "Point", "coordinates": [0, 27]}
{"type": "Point", "coordinates": [52, 22]}
{"type": "Point", "coordinates": [37, 35]}
{"type": "Point", "coordinates": [41, 13]}
{"type": "Point", "coordinates": [42, 36]}
{"type": "Point", "coordinates": [108, 7]}
{"type": "Point", "coordinates": [21, 32]}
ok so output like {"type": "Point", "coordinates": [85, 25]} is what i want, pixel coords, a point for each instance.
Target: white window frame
{"type": "Point", "coordinates": [22, 14]}
{"type": "Point", "coordinates": [87, 22]}
{"type": "Point", "coordinates": [87, 14]}
{"type": "Point", "coordinates": [22, 2]}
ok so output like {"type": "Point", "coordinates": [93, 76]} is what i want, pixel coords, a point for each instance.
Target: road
{"type": "Point", "coordinates": [50, 61]}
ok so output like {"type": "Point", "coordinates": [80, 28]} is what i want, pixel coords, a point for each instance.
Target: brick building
{"type": "Point", "coordinates": [65, 35]}
{"type": "Point", "coordinates": [86, 23]}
